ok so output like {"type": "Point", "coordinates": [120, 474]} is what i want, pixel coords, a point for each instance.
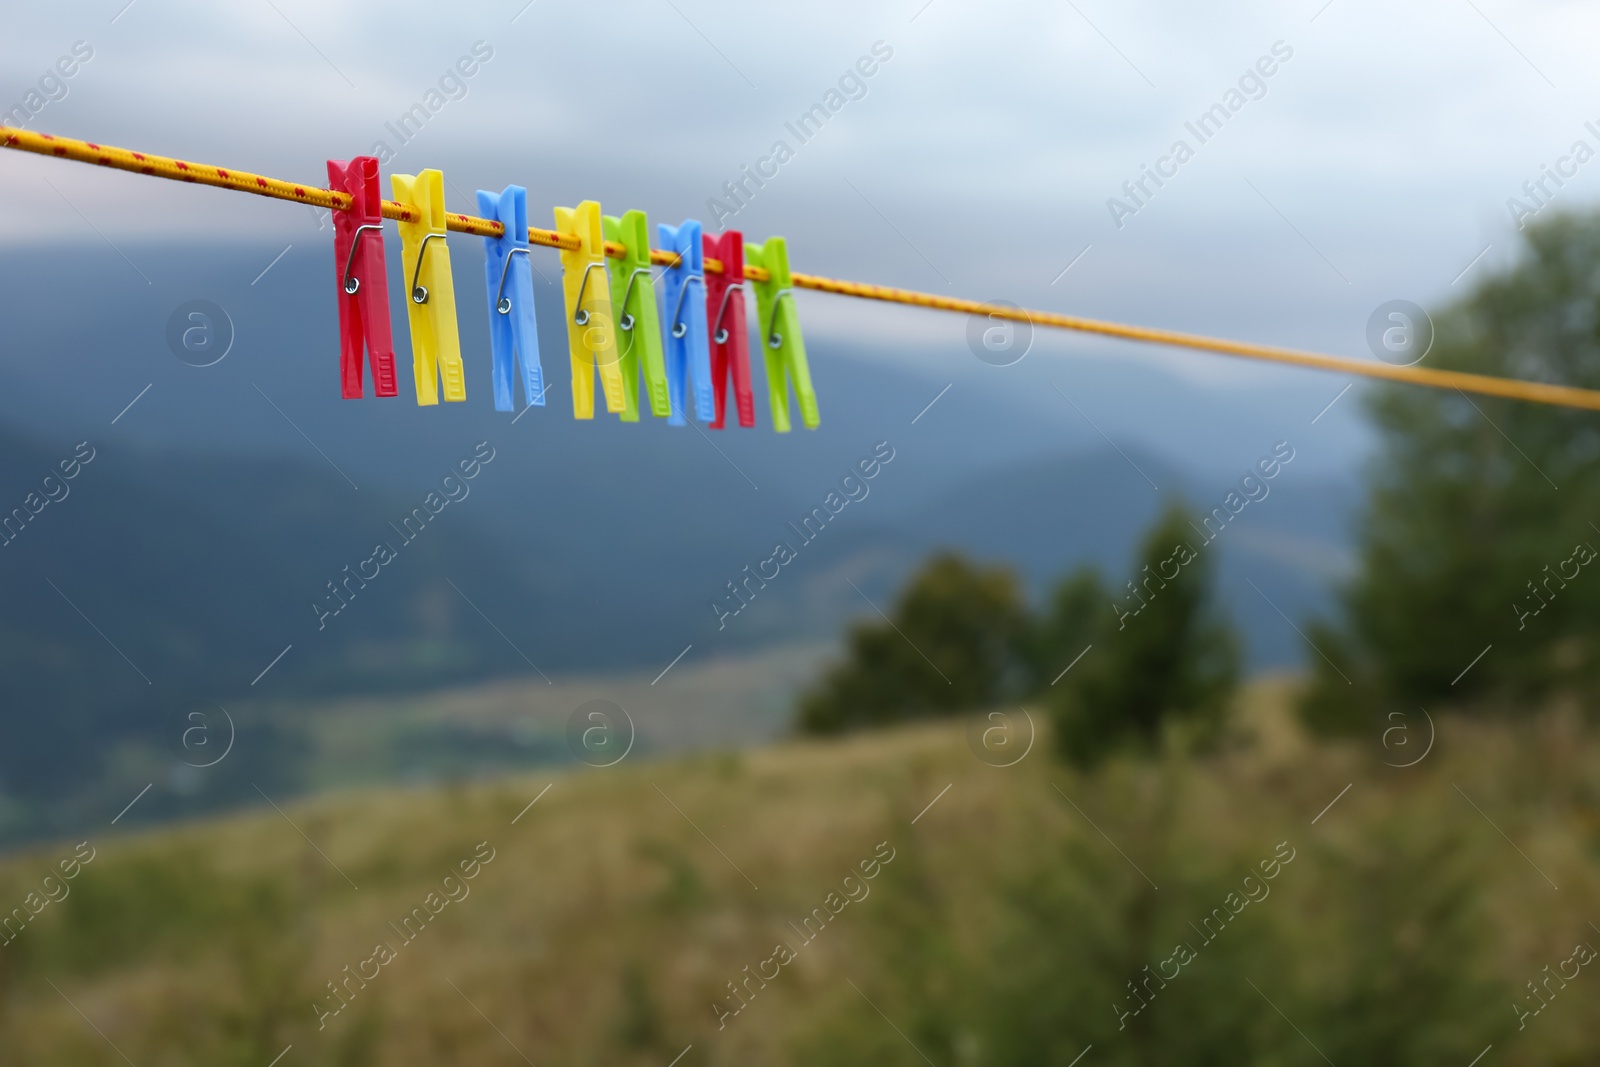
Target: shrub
{"type": "Point", "coordinates": [954, 642]}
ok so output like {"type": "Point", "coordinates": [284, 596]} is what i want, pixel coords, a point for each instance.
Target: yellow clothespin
{"type": "Point", "coordinates": [591, 336]}
{"type": "Point", "coordinates": [431, 295]}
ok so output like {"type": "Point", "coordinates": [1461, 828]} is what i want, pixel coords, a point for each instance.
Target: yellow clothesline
{"type": "Point", "coordinates": [244, 181]}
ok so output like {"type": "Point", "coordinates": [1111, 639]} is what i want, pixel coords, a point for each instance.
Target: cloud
{"type": "Point", "coordinates": [978, 164]}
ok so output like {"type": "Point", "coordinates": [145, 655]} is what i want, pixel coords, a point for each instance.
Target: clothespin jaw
{"type": "Point", "coordinates": [363, 283]}
{"type": "Point", "coordinates": [633, 298]}
{"type": "Point", "coordinates": [687, 343]}
{"type": "Point", "coordinates": [730, 339]}
{"type": "Point", "coordinates": [513, 332]}
{"type": "Point", "coordinates": [591, 338]}
{"type": "Point", "coordinates": [778, 329]}
{"type": "Point", "coordinates": [430, 289]}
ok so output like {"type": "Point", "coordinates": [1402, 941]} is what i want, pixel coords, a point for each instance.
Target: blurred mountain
{"type": "Point", "coordinates": [1051, 513]}
{"type": "Point", "coordinates": [183, 567]}
{"type": "Point", "coordinates": [161, 583]}
{"type": "Point", "coordinates": [157, 583]}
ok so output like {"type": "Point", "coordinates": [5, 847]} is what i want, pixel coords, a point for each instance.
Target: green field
{"type": "Point", "coordinates": [1005, 928]}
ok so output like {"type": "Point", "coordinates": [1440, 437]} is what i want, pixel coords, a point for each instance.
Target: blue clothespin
{"type": "Point", "coordinates": [512, 330]}
{"type": "Point", "coordinates": [684, 331]}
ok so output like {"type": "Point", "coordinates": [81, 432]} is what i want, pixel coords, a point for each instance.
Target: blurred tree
{"type": "Point", "coordinates": [1410, 926]}
{"type": "Point", "coordinates": [1166, 657]}
{"type": "Point", "coordinates": [1076, 606]}
{"type": "Point", "coordinates": [954, 643]}
{"type": "Point", "coordinates": [1086, 937]}
{"type": "Point", "coordinates": [1466, 541]}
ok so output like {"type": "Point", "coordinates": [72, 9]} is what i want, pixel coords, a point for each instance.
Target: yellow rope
{"type": "Point", "coordinates": [243, 181]}
{"type": "Point", "coordinates": [1485, 384]}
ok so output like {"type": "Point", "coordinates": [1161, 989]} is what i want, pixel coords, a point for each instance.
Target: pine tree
{"type": "Point", "coordinates": [1466, 541]}
{"type": "Point", "coordinates": [1164, 656]}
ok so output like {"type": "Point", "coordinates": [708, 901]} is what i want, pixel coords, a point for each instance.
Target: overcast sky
{"type": "Point", "coordinates": [1374, 162]}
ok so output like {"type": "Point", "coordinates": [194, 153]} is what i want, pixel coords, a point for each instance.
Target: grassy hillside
{"type": "Point", "coordinates": [289, 748]}
{"type": "Point", "coordinates": [467, 731]}
{"type": "Point", "coordinates": [616, 909]}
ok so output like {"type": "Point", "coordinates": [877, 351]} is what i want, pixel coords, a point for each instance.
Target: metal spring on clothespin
{"type": "Point", "coordinates": [502, 302]}
{"type": "Point", "coordinates": [721, 334]}
{"type": "Point", "coordinates": [353, 284]}
{"type": "Point", "coordinates": [581, 314]}
{"type": "Point", "coordinates": [419, 293]}
{"type": "Point", "coordinates": [774, 338]}
{"type": "Point", "coordinates": [625, 323]}
{"type": "Point", "coordinates": [679, 327]}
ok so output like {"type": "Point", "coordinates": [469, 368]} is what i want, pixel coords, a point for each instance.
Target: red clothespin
{"type": "Point", "coordinates": [363, 283]}
{"type": "Point", "coordinates": [730, 339]}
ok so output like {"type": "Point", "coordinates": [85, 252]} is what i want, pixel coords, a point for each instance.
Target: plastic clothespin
{"type": "Point", "coordinates": [431, 296]}
{"type": "Point", "coordinates": [683, 303]}
{"type": "Point", "coordinates": [633, 298]}
{"type": "Point", "coordinates": [730, 339]}
{"type": "Point", "coordinates": [779, 324]}
{"type": "Point", "coordinates": [590, 327]}
{"type": "Point", "coordinates": [509, 270]}
{"type": "Point", "coordinates": [363, 283]}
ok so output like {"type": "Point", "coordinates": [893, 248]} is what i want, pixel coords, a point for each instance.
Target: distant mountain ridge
{"type": "Point", "coordinates": [194, 558]}
{"type": "Point", "coordinates": [166, 581]}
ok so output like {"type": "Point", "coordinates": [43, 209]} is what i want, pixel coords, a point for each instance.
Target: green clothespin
{"type": "Point", "coordinates": [779, 324]}
{"type": "Point", "coordinates": [633, 295]}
